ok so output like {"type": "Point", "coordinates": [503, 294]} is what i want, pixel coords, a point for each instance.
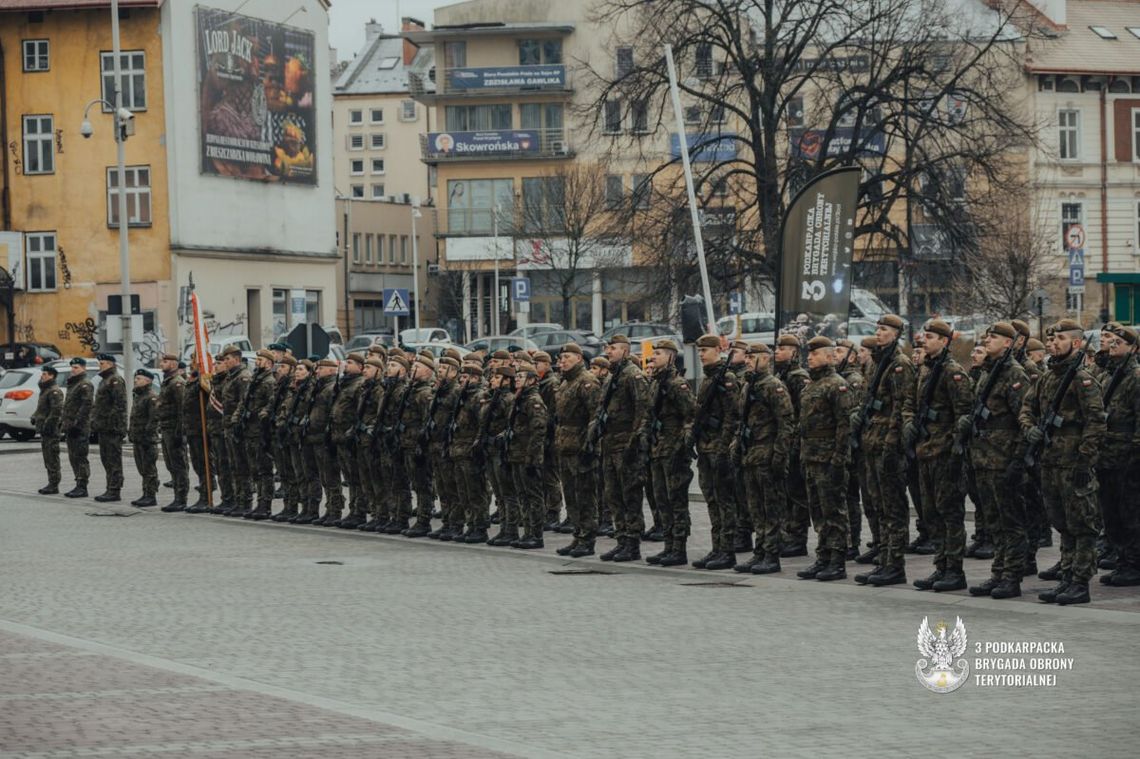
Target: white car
{"type": "Point", "coordinates": [755, 327]}
{"type": "Point", "coordinates": [217, 345]}
{"type": "Point", "coordinates": [424, 335]}
{"type": "Point", "coordinates": [20, 393]}
{"type": "Point", "coordinates": [537, 328]}
{"type": "Point", "coordinates": [436, 347]}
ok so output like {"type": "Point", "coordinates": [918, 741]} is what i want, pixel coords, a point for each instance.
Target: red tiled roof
{"type": "Point", "coordinates": [68, 5]}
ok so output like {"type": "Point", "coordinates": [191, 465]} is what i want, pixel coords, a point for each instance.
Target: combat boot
{"type": "Point", "coordinates": [145, 502]}
{"type": "Point", "coordinates": [566, 549]}
{"type": "Point", "coordinates": [723, 560]}
{"type": "Point", "coordinates": [745, 567]}
{"type": "Point", "coordinates": [1049, 596]}
{"type": "Point", "coordinates": [887, 576]}
{"type": "Point", "coordinates": [986, 587]}
{"type": "Point", "coordinates": [927, 583]}
{"type": "Point", "coordinates": [657, 557]}
{"type": "Point", "coordinates": [952, 579]}
{"type": "Point", "coordinates": [175, 506]}
{"type": "Point", "coordinates": [985, 551]}
{"type": "Point", "coordinates": [610, 554]}
{"type": "Point", "coordinates": [475, 535]}
{"type": "Point", "coordinates": [701, 562]}
{"type": "Point", "coordinates": [504, 538]}
{"type": "Point", "coordinates": [868, 557]}
{"type": "Point", "coordinates": [794, 549]}
{"type": "Point", "coordinates": [1076, 593]}
{"type": "Point", "coordinates": [1107, 560]}
{"type": "Point", "coordinates": [351, 522]}
{"type": "Point", "coordinates": [111, 496]}
{"type": "Point", "coordinates": [1006, 589]}
{"type": "Point", "coordinates": [810, 572]}
{"type": "Point", "coordinates": [79, 491]}
{"type": "Point", "coordinates": [49, 490]}
{"type": "Point", "coordinates": [396, 527]}
{"type": "Point", "coordinates": [656, 534]}
{"type": "Point", "coordinates": [1123, 577]}
{"type": "Point", "coordinates": [677, 557]}
{"type": "Point", "coordinates": [1052, 573]}
{"type": "Point", "coordinates": [530, 542]}
{"type": "Point", "coordinates": [261, 513]}
{"type": "Point", "coordinates": [835, 570]}
{"type": "Point", "coordinates": [606, 529]}
{"type": "Point", "coordinates": [769, 565]}
{"type": "Point", "coordinates": [419, 530]}
{"type": "Point", "coordinates": [864, 578]}
{"type": "Point", "coordinates": [585, 548]}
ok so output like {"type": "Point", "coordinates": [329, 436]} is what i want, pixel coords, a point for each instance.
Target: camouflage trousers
{"type": "Point", "coordinates": [283, 463]}
{"type": "Point", "coordinates": [308, 473]}
{"type": "Point", "coordinates": [396, 505]}
{"type": "Point", "coordinates": [506, 497]}
{"type": "Point", "coordinates": [419, 475]}
{"type": "Point", "coordinates": [670, 477]}
{"type": "Point", "coordinates": [443, 476]}
{"type": "Point", "coordinates": [329, 469]}
{"type": "Point", "coordinates": [532, 502]}
{"type": "Point", "coordinates": [715, 476]}
{"type": "Point", "coordinates": [111, 456]}
{"type": "Point", "coordinates": [1075, 517]}
{"type": "Point", "coordinates": [174, 456]}
{"type": "Point", "coordinates": [240, 463]}
{"type": "Point", "coordinates": [624, 484]}
{"type": "Point", "coordinates": [146, 461]}
{"type": "Point", "coordinates": [261, 470]}
{"type": "Point", "coordinates": [766, 505]}
{"type": "Point", "coordinates": [945, 506]}
{"type": "Point", "coordinates": [827, 505]}
{"type": "Point", "coordinates": [49, 447]}
{"type": "Point", "coordinates": [77, 450]}
{"type": "Point", "coordinates": [921, 508]}
{"type": "Point", "coordinates": [1003, 511]}
{"type": "Point", "coordinates": [371, 478]}
{"type": "Point", "coordinates": [198, 463]}
{"type": "Point", "coordinates": [797, 518]}
{"type": "Point", "coordinates": [886, 484]}
{"type": "Point", "coordinates": [1120, 511]}
{"type": "Point", "coordinates": [1036, 519]}
{"type": "Point", "coordinates": [472, 493]}
{"type": "Point", "coordinates": [221, 465]}
{"type": "Point", "coordinates": [854, 501]}
{"type": "Point", "coordinates": [552, 487]}
{"type": "Point", "coordinates": [580, 479]}
{"type": "Point", "coordinates": [350, 472]}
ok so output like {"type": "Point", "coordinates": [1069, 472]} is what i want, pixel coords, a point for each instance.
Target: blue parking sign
{"type": "Point", "coordinates": [520, 289]}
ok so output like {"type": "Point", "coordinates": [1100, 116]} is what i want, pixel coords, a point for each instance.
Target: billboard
{"type": "Point", "coordinates": [705, 148]}
{"type": "Point", "coordinates": [490, 142]}
{"type": "Point", "coordinates": [546, 76]}
{"type": "Point", "coordinates": [807, 143]}
{"type": "Point", "coordinates": [257, 105]}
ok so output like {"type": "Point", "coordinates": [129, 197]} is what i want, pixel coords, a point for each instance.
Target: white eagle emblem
{"type": "Point", "coordinates": [943, 668]}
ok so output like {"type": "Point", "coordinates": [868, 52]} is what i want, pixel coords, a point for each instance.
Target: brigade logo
{"type": "Point", "coordinates": [943, 669]}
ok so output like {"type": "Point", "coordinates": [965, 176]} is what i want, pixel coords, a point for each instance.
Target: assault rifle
{"type": "Point", "coordinates": [479, 453]}
{"type": "Point", "coordinates": [1051, 417]}
{"type": "Point", "coordinates": [370, 430]}
{"type": "Point", "coordinates": [872, 404]}
{"type": "Point", "coordinates": [981, 411]}
{"type": "Point", "coordinates": [392, 433]}
{"type": "Point", "coordinates": [925, 414]}
{"type": "Point", "coordinates": [423, 442]}
{"type": "Point", "coordinates": [453, 418]}
{"type": "Point", "coordinates": [744, 435]}
{"type": "Point", "coordinates": [509, 432]}
{"type": "Point", "coordinates": [366, 388]}
{"type": "Point", "coordinates": [278, 400]}
{"type": "Point", "coordinates": [704, 420]}
{"type": "Point", "coordinates": [1117, 377]}
{"type": "Point", "coordinates": [602, 418]}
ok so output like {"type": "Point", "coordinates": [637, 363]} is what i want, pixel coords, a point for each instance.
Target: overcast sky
{"type": "Point", "coordinates": [347, 19]}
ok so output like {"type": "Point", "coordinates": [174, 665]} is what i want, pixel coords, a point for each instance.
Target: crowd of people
{"type": "Point", "coordinates": [808, 435]}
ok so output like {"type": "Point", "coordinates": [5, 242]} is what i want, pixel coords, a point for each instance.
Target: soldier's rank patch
{"type": "Point", "coordinates": [1016, 385]}
{"type": "Point", "coordinates": [843, 389]}
{"type": "Point", "coordinates": [1086, 382]}
{"type": "Point", "coordinates": [898, 369]}
{"type": "Point", "coordinates": [957, 377]}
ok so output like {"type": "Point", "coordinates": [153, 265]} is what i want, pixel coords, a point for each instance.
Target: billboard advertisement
{"type": "Point", "coordinates": [490, 142]}
{"type": "Point", "coordinates": [807, 143]}
{"type": "Point", "coordinates": [547, 76]}
{"type": "Point", "coordinates": [705, 148]}
{"type": "Point", "coordinates": [257, 109]}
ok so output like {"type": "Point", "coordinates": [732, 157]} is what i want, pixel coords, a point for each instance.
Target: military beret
{"type": "Point", "coordinates": [939, 327]}
{"type": "Point", "coordinates": [400, 360]}
{"type": "Point", "coordinates": [1004, 329]}
{"type": "Point", "coordinates": [106, 357]}
{"type": "Point", "coordinates": [788, 341]}
{"type": "Point", "coordinates": [475, 370]}
{"type": "Point", "coordinates": [820, 341]}
{"type": "Point", "coordinates": [708, 341]}
{"type": "Point", "coordinates": [427, 359]}
{"type": "Point", "coordinates": [356, 358]}
{"type": "Point", "coordinates": [541, 356]}
{"type": "Point", "coordinates": [601, 361]}
{"type": "Point", "coordinates": [327, 362]}
{"type": "Point", "coordinates": [870, 341]}
{"type": "Point", "coordinates": [278, 346]}
{"type": "Point", "coordinates": [1127, 334]}
{"type": "Point", "coordinates": [48, 369]}
{"type": "Point", "coordinates": [266, 354]}
{"type": "Point", "coordinates": [758, 348]}
{"type": "Point", "coordinates": [307, 364]}
{"type": "Point", "coordinates": [501, 355]}
{"type": "Point", "coordinates": [573, 348]}
{"type": "Point", "coordinates": [505, 371]}
{"type": "Point", "coordinates": [169, 357]}
{"type": "Point", "coordinates": [374, 361]}
{"type": "Point", "coordinates": [1033, 344]}
{"type": "Point", "coordinates": [453, 353]}
{"type": "Point", "coordinates": [739, 345]}
{"type": "Point", "coordinates": [231, 350]}
{"type": "Point", "coordinates": [181, 364]}
{"type": "Point", "coordinates": [845, 343]}
{"type": "Point", "coordinates": [314, 357]}
{"type": "Point", "coordinates": [1021, 327]}
{"type": "Point", "coordinates": [478, 355]}
{"type": "Point", "coordinates": [1068, 325]}
{"type": "Point", "coordinates": [1050, 331]}
{"type": "Point", "coordinates": [378, 350]}
{"type": "Point", "coordinates": [665, 345]}
{"type": "Point", "coordinates": [77, 361]}
{"type": "Point", "coordinates": [616, 339]}
{"type": "Point", "coordinates": [526, 366]}
{"type": "Point", "coordinates": [449, 361]}
{"type": "Point", "coordinates": [891, 320]}
{"type": "Point", "coordinates": [288, 361]}
{"type": "Point", "coordinates": [144, 373]}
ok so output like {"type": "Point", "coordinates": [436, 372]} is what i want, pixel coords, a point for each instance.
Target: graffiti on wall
{"type": "Point", "coordinates": [214, 326]}
{"type": "Point", "coordinates": [150, 348]}
{"type": "Point", "coordinates": [64, 272]}
{"type": "Point", "coordinates": [85, 332]}
{"type": "Point", "coordinates": [25, 332]}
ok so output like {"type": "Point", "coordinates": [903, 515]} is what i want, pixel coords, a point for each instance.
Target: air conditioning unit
{"type": "Point", "coordinates": [433, 268]}
{"type": "Point", "coordinates": [558, 147]}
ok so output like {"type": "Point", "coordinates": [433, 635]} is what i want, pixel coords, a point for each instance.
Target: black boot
{"type": "Point", "coordinates": [584, 548]}
{"type": "Point", "coordinates": [745, 567]}
{"type": "Point", "coordinates": [986, 587]}
{"type": "Point", "coordinates": [177, 505]}
{"type": "Point", "coordinates": [1050, 596]}
{"type": "Point", "coordinates": [864, 578]}
{"type": "Point", "coordinates": [1006, 589]}
{"type": "Point", "coordinates": [952, 579]}
{"type": "Point", "coordinates": [676, 557]}
{"type": "Point", "coordinates": [868, 557]}
{"type": "Point", "coordinates": [723, 560]}
{"type": "Point", "coordinates": [419, 530]}
{"type": "Point", "coordinates": [811, 571]}
{"type": "Point", "coordinates": [610, 554]}
{"type": "Point", "coordinates": [629, 551]}
{"type": "Point", "coordinates": [1076, 593]}
{"type": "Point", "coordinates": [111, 496]}
{"type": "Point", "coordinates": [79, 491]}
{"type": "Point", "coordinates": [49, 489]}
{"type": "Point", "coordinates": [1052, 573]}
{"type": "Point", "coordinates": [835, 570]}
{"type": "Point", "coordinates": [142, 503]}
{"type": "Point", "coordinates": [927, 582]}
{"type": "Point", "coordinates": [475, 536]}
{"type": "Point", "coordinates": [1124, 577]}
{"type": "Point", "coordinates": [657, 557]}
{"type": "Point", "coordinates": [770, 564]}
{"type": "Point", "coordinates": [701, 562]}
{"type": "Point", "coordinates": [566, 549]}
{"type": "Point", "coordinates": [888, 576]}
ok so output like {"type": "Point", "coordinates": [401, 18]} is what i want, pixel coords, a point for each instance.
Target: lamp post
{"type": "Point", "coordinates": [416, 261]}
{"type": "Point", "coordinates": [495, 295]}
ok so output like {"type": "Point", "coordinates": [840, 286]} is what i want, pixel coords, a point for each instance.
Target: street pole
{"type": "Point", "coordinates": [495, 295]}
{"type": "Point", "coordinates": [124, 245]}
{"type": "Point", "coordinates": [416, 262]}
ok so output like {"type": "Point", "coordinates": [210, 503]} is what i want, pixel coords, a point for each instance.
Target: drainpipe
{"type": "Point", "coordinates": [6, 192]}
{"type": "Point", "coordinates": [1104, 200]}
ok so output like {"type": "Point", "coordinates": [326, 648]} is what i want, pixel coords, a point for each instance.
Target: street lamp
{"type": "Point", "coordinates": [124, 126]}
{"type": "Point", "coordinates": [495, 295]}
{"type": "Point", "coordinates": [416, 261]}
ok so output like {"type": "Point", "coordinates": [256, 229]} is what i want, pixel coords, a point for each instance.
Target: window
{"type": "Point", "coordinates": [1069, 85]}
{"type": "Point", "coordinates": [1134, 31]}
{"type": "Point", "coordinates": [795, 112]}
{"type": "Point", "coordinates": [716, 114]}
{"type": "Point", "coordinates": [357, 191]}
{"type": "Point", "coordinates": [639, 114]}
{"type": "Point", "coordinates": [376, 115]}
{"type": "Point", "coordinates": [408, 110]}
{"type": "Point", "coordinates": [703, 67]}
{"type": "Point", "coordinates": [1072, 212]}
{"type": "Point", "coordinates": [391, 249]}
{"type": "Point", "coordinates": [544, 206]}
{"type": "Point", "coordinates": [1136, 134]}
{"type": "Point", "coordinates": [36, 55]}
{"type": "Point", "coordinates": [455, 54]}
{"type": "Point", "coordinates": [403, 249]}
{"type": "Point", "coordinates": [475, 118]}
{"type": "Point", "coordinates": [612, 123]}
{"type": "Point", "coordinates": [471, 205]}
{"type": "Point", "coordinates": [692, 114]}
{"type": "Point", "coordinates": [377, 190]}
{"type": "Point", "coordinates": [642, 190]}
{"type": "Point", "coordinates": [1069, 134]}
{"type": "Point", "coordinates": [377, 165]}
{"type": "Point", "coordinates": [39, 155]}
{"type": "Point", "coordinates": [540, 116]}
{"type": "Point", "coordinates": [356, 142]}
{"type": "Point", "coordinates": [379, 249]}
{"type": "Point", "coordinates": [41, 249]}
{"type": "Point", "coordinates": [133, 69]}
{"type": "Point", "coordinates": [615, 190]}
{"type": "Point", "coordinates": [624, 65]}
{"type": "Point", "coordinates": [356, 166]}
{"type": "Point", "coordinates": [534, 52]}
{"type": "Point", "coordinates": [1103, 32]}
{"type": "Point", "coordinates": [720, 187]}
{"type": "Point", "coordinates": [376, 141]}
{"type": "Point", "coordinates": [356, 116]}
{"type": "Point", "coordinates": [368, 248]}
{"type": "Point", "coordinates": [138, 196]}
{"type": "Point", "coordinates": [356, 247]}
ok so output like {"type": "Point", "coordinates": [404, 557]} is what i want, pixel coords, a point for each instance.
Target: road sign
{"type": "Point", "coordinates": [1076, 276]}
{"type": "Point", "coordinates": [735, 303]}
{"type": "Point", "coordinates": [1077, 257]}
{"type": "Point", "coordinates": [396, 301]}
{"type": "Point", "coordinates": [1075, 236]}
{"type": "Point", "coordinates": [308, 340]}
{"type": "Point", "coordinates": [520, 289]}
{"type": "Point", "coordinates": [1077, 290]}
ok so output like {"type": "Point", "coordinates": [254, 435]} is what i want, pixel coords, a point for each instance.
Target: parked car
{"type": "Point", "coordinates": [20, 392]}
{"type": "Point", "coordinates": [531, 330]}
{"type": "Point", "coordinates": [437, 347]}
{"type": "Point", "coordinates": [20, 355]}
{"type": "Point", "coordinates": [866, 305]}
{"type": "Point", "coordinates": [639, 332]}
{"type": "Point", "coordinates": [507, 343]}
{"type": "Point", "coordinates": [365, 340]}
{"type": "Point", "coordinates": [424, 335]}
{"type": "Point", "coordinates": [552, 342]}
{"type": "Point", "coordinates": [218, 344]}
{"type": "Point", "coordinates": [755, 327]}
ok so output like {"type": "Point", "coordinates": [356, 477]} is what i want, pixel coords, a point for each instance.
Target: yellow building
{"type": "Point", "coordinates": [60, 218]}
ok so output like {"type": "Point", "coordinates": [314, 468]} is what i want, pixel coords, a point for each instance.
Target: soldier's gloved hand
{"type": "Point", "coordinates": [909, 435]}
{"type": "Point", "coordinates": [1082, 478]}
{"type": "Point", "coordinates": [964, 427]}
{"type": "Point", "coordinates": [856, 417]}
{"type": "Point", "coordinates": [1034, 435]}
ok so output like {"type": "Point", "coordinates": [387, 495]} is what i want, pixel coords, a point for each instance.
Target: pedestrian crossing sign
{"type": "Point", "coordinates": [396, 301]}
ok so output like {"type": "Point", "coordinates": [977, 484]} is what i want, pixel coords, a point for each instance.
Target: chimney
{"type": "Point", "coordinates": [372, 30]}
{"type": "Point", "coordinates": [1054, 10]}
{"type": "Point", "coordinates": [409, 24]}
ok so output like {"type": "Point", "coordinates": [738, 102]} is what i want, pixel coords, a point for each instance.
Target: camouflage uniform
{"type": "Point", "coordinates": [767, 428]}
{"type": "Point", "coordinates": [797, 518]}
{"type": "Point", "coordinates": [143, 434]}
{"type": "Point", "coordinates": [279, 432]}
{"type": "Point", "coordinates": [574, 405]}
{"type": "Point", "coordinates": [372, 396]}
{"type": "Point", "coordinates": [858, 384]}
{"type": "Point", "coordinates": [551, 482]}
{"type": "Point", "coordinates": [258, 436]}
{"type": "Point", "coordinates": [473, 494]}
{"type": "Point", "coordinates": [623, 483]}
{"type": "Point", "coordinates": [525, 438]}
{"type": "Point", "coordinates": [1075, 444]}
{"type": "Point", "coordinates": [193, 400]}
{"type": "Point", "coordinates": [667, 426]}
{"type": "Point", "coordinates": [303, 454]}
{"type": "Point", "coordinates": [47, 421]}
{"type": "Point", "coordinates": [1039, 531]}
{"type": "Point", "coordinates": [714, 465]}
{"type": "Point", "coordinates": [396, 506]}
{"type": "Point", "coordinates": [77, 426]}
{"type": "Point", "coordinates": [234, 390]}
{"type": "Point", "coordinates": [413, 421]}
{"type": "Point", "coordinates": [171, 427]}
{"type": "Point", "coordinates": [219, 445]}
{"type": "Point", "coordinates": [1118, 466]}
{"type": "Point", "coordinates": [109, 423]}
{"type": "Point", "coordinates": [344, 419]}
{"type": "Point", "coordinates": [825, 412]}
{"type": "Point", "coordinates": [442, 472]}
{"type": "Point", "coordinates": [318, 436]}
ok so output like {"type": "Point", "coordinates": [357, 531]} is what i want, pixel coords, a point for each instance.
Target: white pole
{"type": "Point", "coordinates": [495, 295]}
{"type": "Point", "coordinates": [416, 262]}
{"type": "Point", "coordinates": [684, 143]}
{"type": "Point", "coordinates": [124, 249]}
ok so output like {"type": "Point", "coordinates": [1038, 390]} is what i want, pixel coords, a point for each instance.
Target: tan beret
{"type": "Point", "coordinates": [449, 361]}
{"type": "Point", "coordinates": [504, 371]}
{"type": "Point", "coordinates": [601, 361]}
{"type": "Point", "coordinates": [374, 361]}
{"type": "Point", "coordinates": [788, 341]}
{"type": "Point", "coordinates": [475, 370]}
{"type": "Point", "coordinates": [1033, 344]}
{"type": "Point", "coordinates": [820, 341]}
{"type": "Point", "coordinates": [501, 355]}
{"type": "Point", "coordinates": [1127, 334]}
{"type": "Point", "coordinates": [1004, 329]}
{"type": "Point", "coordinates": [266, 354]}
{"type": "Point", "coordinates": [526, 366]}
{"type": "Point", "coordinates": [739, 345]}
{"type": "Point", "coordinates": [230, 350]}
{"type": "Point", "coordinates": [288, 361]}
{"type": "Point", "coordinates": [541, 356]}
{"type": "Point", "coordinates": [356, 358]}
{"type": "Point", "coordinates": [757, 348]}
{"type": "Point", "coordinates": [939, 327]}
{"type": "Point", "coordinates": [327, 362]}
{"type": "Point", "coordinates": [1068, 325]}
{"type": "Point", "coordinates": [400, 360]}
{"type": "Point", "coordinates": [708, 341]}
{"type": "Point", "coordinates": [845, 343]}
{"type": "Point", "coordinates": [665, 344]}
{"type": "Point", "coordinates": [427, 359]}
{"type": "Point", "coordinates": [378, 349]}
{"type": "Point", "coordinates": [453, 353]}
{"type": "Point", "coordinates": [870, 341]}
{"type": "Point", "coordinates": [572, 348]}
{"type": "Point", "coordinates": [891, 320]}
{"type": "Point", "coordinates": [170, 357]}
{"type": "Point", "coordinates": [1021, 327]}
{"type": "Point", "coordinates": [307, 364]}
{"type": "Point", "coordinates": [619, 339]}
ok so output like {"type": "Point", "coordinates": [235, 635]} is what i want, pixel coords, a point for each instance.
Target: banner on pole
{"type": "Point", "coordinates": [201, 338]}
{"type": "Point", "coordinates": [815, 268]}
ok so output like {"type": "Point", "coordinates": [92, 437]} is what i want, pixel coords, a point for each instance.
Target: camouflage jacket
{"type": "Point", "coordinates": [721, 411]}
{"type": "Point", "coordinates": [998, 439]}
{"type": "Point", "coordinates": [1077, 441]}
{"type": "Point", "coordinates": [952, 399]}
{"type": "Point", "coordinates": [795, 379]}
{"type": "Point", "coordinates": [215, 405]}
{"type": "Point", "coordinates": [767, 419]}
{"type": "Point", "coordinates": [109, 412]}
{"type": "Point", "coordinates": [627, 408]}
{"type": "Point", "coordinates": [344, 407]}
{"type": "Point", "coordinates": [444, 400]}
{"type": "Point", "coordinates": [672, 406]}
{"type": "Point", "coordinates": [262, 388]}
{"type": "Point", "coordinates": [415, 413]}
{"type": "Point", "coordinates": [895, 400]}
{"type": "Point", "coordinates": [144, 417]}
{"type": "Point", "coordinates": [234, 387]}
{"type": "Point", "coordinates": [825, 416]}
{"type": "Point", "coordinates": [192, 408]}
{"type": "Point", "coordinates": [1121, 445]}
{"type": "Point", "coordinates": [320, 412]}
{"type": "Point", "coordinates": [368, 402]}
{"type": "Point", "coordinates": [468, 420]}
{"type": "Point", "coordinates": [49, 411]}
{"type": "Point", "coordinates": [575, 402]}
{"type": "Point", "coordinates": [856, 381]}
{"type": "Point", "coordinates": [387, 418]}
{"type": "Point", "coordinates": [299, 407]}
{"type": "Point", "coordinates": [1032, 371]}
{"type": "Point", "coordinates": [282, 403]}
{"type": "Point", "coordinates": [77, 406]}
{"type": "Point", "coordinates": [548, 389]}
{"type": "Point", "coordinates": [526, 429]}
{"type": "Point", "coordinates": [171, 407]}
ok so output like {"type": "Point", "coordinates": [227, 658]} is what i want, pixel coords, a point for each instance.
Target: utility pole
{"type": "Point", "coordinates": [124, 245]}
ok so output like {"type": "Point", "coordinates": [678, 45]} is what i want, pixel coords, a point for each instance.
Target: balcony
{"type": "Point", "coordinates": [495, 144]}
{"type": "Point", "coordinates": [492, 81]}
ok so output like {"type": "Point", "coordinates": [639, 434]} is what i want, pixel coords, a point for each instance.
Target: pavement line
{"type": "Point", "coordinates": [115, 693]}
{"type": "Point", "coordinates": [204, 747]}
{"type": "Point", "coordinates": [431, 730]}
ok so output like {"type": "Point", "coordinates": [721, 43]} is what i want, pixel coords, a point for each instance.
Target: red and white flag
{"type": "Point", "coordinates": [201, 339]}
